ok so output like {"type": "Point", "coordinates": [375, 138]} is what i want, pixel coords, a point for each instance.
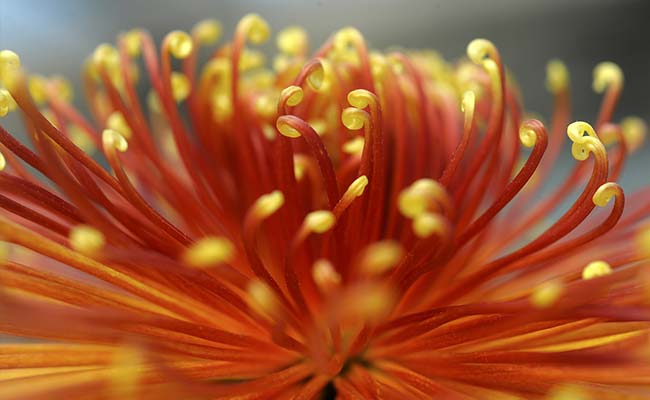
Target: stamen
{"type": "Point", "coordinates": [292, 40]}
{"type": "Point", "coordinates": [325, 276]}
{"type": "Point", "coordinates": [266, 205]}
{"type": "Point", "coordinates": [255, 28]}
{"type": "Point", "coordinates": [208, 252]}
{"type": "Point", "coordinates": [117, 123]}
{"type": "Point", "coordinates": [596, 269]}
{"type": "Point", "coordinates": [7, 103]}
{"type": "Point", "coordinates": [634, 132]}
{"type": "Point", "coordinates": [546, 294]}
{"type": "Point", "coordinates": [180, 86]}
{"type": "Point", "coordinates": [262, 299]}
{"type": "Point", "coordinates": [380, 257]}
{"type": "Point", "coordinates": [557, 76]}
{"type": "Point", "coordinates": [606, 75]}
{"type": "Point", "coordinates": [420, 196]}
{"type": "Point", "coordinates": [426, 224]}
{"type": "Point", "coordinates": [180, 44]}
{"type": "Point", "coordinates": [207, 32]}
{"type": "Point", "coordinates": [86, 240]}
{"type": "Point", "coordinates": [319, 221]}
{"type": "Point", "coordinates": [112, 139]}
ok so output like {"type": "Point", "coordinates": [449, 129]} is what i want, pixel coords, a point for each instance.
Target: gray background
{"type": "Point", "coordinates": [55, 36]}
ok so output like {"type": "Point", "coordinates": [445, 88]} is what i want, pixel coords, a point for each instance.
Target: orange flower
{"type": "Point", "coordinates": [337, 227]}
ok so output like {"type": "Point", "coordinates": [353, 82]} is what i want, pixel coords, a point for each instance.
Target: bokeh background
{"type": "Point", "coordinates": [55, 36]}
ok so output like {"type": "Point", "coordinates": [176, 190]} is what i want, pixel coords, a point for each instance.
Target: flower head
{"type": "Point", "coordinates": [351, 223]}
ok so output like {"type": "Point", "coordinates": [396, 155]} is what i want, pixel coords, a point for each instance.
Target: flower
{"type": "Point", "coordinates": [337, 227]}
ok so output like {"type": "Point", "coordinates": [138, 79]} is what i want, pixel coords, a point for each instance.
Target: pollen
{"type": "Point", "coordinates": [596, 269]}
{"type": "Point", "coordinates": [86, 239]}
{"type": "Point", "coordinates": [208, 252]}
{"type": "Point", "coordinates": [266, 205]}
{"type": "Point", "coordinates": [320, 221]}
{"type": "Point", "coordinates": [547, 294]}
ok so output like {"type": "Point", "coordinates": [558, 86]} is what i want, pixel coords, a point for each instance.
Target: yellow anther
{"type": "Point", "coordinates": [251, 59]}
{"type": "Point", "coordinates": [180, 86]}
{"type": "Point", "coordinates": [527, 136]}
{"type": "Point", "coordinates": [557, 76]}
{"type": "Point", "coordinates": [114, 139]}
{"type": "Point", "coordinates": [357, 187]}
{"type": "Point", "coordinates": [480, 50]}
{"type": "Point", "coordinates": [325, 276]}
{"type": "Point", "coordinates": [354, 118]}
{"type": "Point", "coordinates": [81, 139]}
{"type": "Point", "coordinates": [255, 28]}
{"type": "Point", "coordinates": [222, 106]}
{"type": "Point", "coordinates": [546, 294]}
{"type": "Point", "coordinates": [381, 256]}
{"type": "Point", "coordinates": [207, 32]}
{"type": "Point", "coordinates": [292, 40]}
{"type": "Point", "coordinates": [268, 204]}
{"type": "Point", "coordinates": [117, 122]}
{"type": "Point", "coordinates": [417, 198]}
{"type": "Point", "coordinates": [607, 74]}
{"type": "Point", "coordinates": [9, 60]}
{"type": "Point", "coordinates": [180, 44]}
{"type": "Point", "coordinates": [132, 40]}
{"type": "Point", "coordinates": [319, 221]}
{"type": "Point", "coordinates": [262, 299]}
{"type": "Point", "coordinates": [583, 145]}
{"type": "Point", "coordinates": [153, 102]}
{"type": "Point", "coordinates": [568, 392]}
{"type": "Point", "coordinates": [361, 98]}
{"type": "Point", "coordinates": [3, 162]}
{"type": "Point", "coordinates": [378, 65]}
{"type": "Point", "coordinates": [286, 129]}
{"type": "Point", "coordinates": [86, 239]}
{"type": "Point", "coordinates": [320, 79]}
{"type": "Point", "coordinates": [354, 146]}
{"type": "Point", "coordinates": [634, 132]}
{"type": "Point", "coordinates": [208, 252]}
{"type": "Point", "coordinates": [426, 224]}
{"type": "Point", "coordinates": [605, 193]}
{"type": "Point", "coordinates": [346, 38]}
{"type": "Point", "coordinates": [596, 269]}
{"type": "Point", "coordinates": [292, 95]}
{"type": "Point", "coordinates": [36, 85]}
{"type": "Point", "coordinates": [370, 302]}
{"type": "Point", "coordinates": [7, 102]}
{"type": "Point", "coordinates": [107, 56]}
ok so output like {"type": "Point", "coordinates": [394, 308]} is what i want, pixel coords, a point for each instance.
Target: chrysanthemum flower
{"type": "Point", "coordinates": [351, 225]}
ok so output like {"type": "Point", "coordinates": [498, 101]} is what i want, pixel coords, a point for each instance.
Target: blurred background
{"type": "Point", "coordinates": [56, 36]}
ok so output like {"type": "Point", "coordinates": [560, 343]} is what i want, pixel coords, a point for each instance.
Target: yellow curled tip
{"type": "Point", "coordinates": [607, 74]}
{"type": "Point", "coordinates": [292, 95]}
{"type": "Point", "coordinates": [86, 239]}
{"type": "Point", "coordinates": [382, 256]}
{"type": "Point", "coordinates": [346, 37]}
{"type": "Point", "coordinates": [478, 50]}
{"type": "Point", "coordinates": [320, 79]}
{"type": "Point", "coordinates": [292, 40]}
{"type": "Point", "coordinates": [209, 251]}
{"type": "Point", "coordinates": [426, 224]}
{"type": "Point", "coordinates": [207, 32]}
{"type": "Point", "coordinates": [634, 132]}
{"type": "Point", "coordinates": [583, 145]}
{"type": "Point", "coordinates": [7, 103]}
{"type": "Point", "coordinates": [557, 76]}
{"type": "Point", "coordinates": [325, 275]}
{"type": "Point", "coordinates": [180, 44]}
{"type": "Point", "coordinates": [605, 192]}
{"type": "Point", "coordinates": [133, 41]}
{"type": "Point", "coordinates": [361, 98]}
{"type": "Point", "coordinates": [320, 221]}
{"type": "Point", "coordinates": [256, 28]}
{"type": "Point", "coordinates": [114, 139]}
{"type": "Point", "coordinates": [262, 299]}
{"type": "Point", "coordinates": [596, 269]}
{"type": "Point", "coordinates": [285, 128]}
{"type": "Point", "coordinates": [468, 103]}
{"type": "Point", "coordinates": [358, 186]}
{"type": "Point", "coordinates": [3, 162]}
{"type": "Point", "coordinates": [9, 59]}
{"type": "Point", "coordinates": [354, 118]}
{"type": "Point", "coordinates": [180, 86]}
{"type": "Point", "coordinates": [527, 135]}
{"type": "Point", "coordinates": [269, 203]}
{"type": "Point", "coordinates": [117, 122]}
{"type": "Point", "coordinates": [546, 294]}
{"type": "Point", "coordinates": [106, 55]}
